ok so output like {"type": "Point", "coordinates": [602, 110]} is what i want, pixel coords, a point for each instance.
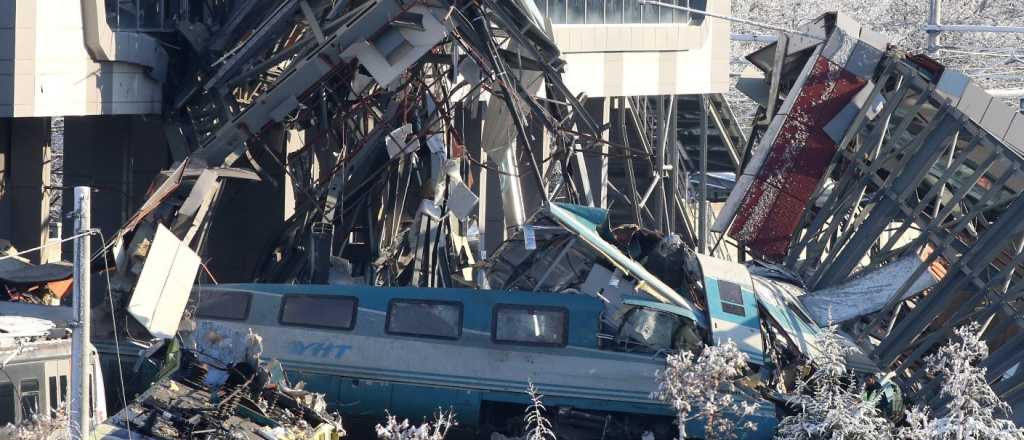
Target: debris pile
{"type": "Point", "coordinates": [198, 395]}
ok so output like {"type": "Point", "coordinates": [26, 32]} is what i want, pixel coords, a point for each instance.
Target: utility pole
{"type": "Point", "coordinates": [934, 20]}
{"type": "Point", "coordinates": [702, 237]}
{"type": "Point", "coordinates": [81, 362]}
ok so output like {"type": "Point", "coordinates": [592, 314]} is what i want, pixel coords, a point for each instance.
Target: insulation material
{"type": "Point", "coordinates": [795, 160]}
{"type": "Point", "coordinates": [866, 293]}
{"type": "Point", "coordinates": [162, 291]}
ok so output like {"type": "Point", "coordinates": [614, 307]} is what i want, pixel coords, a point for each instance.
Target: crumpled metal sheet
{"type": "Point", "coordinates": [792, 162]}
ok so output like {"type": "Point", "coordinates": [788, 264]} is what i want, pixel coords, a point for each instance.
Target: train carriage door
{"type": "Point", "coordinates": [732, 307]}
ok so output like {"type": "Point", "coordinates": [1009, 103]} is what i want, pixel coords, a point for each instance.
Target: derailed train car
{"type": "Point", "coordinates": [593, 348]}
{"type": "Point", "coordinates": [407, 349]}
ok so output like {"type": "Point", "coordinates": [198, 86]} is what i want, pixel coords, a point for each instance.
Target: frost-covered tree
{"type": "Point", "coordinates": [829, 405]}
{"type": "Point", "coordinates": [992, 59]}
{"type": "Point", "coordinates": [436, 430]}
{"type": "Point", "coordinates": [704, 387]}
{"type": "Point", "coordinates": [537, 426]}
{"type": "Point", "coordinates": [973, 406]}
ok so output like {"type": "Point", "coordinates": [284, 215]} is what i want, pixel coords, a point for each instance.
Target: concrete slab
{"type": "Point", "coordinates": [863, 60]}
{"type": "Point", "coordinates": [997, 118]}
{"type": "Point", "coordinates": [974, 102]}
{"type": "Point", "coordinates": [836, 128]}
{"type": "Point", "coordinates": [952, 85]}
{"type": "Point", "coordinates": [1015, 134]}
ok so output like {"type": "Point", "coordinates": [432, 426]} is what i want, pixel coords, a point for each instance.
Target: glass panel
{"type": "Point", "coordinates": [220, 304]}
{"type": "Point", "coordinates": [422, 318]}
{"type": "Point", "coordinates": [7, 404]}
{"type": "Point", "coordinates": [649, 14]}
{"type": "Point", "coordinates": [63, 388]}
{"type": "Point", "coordinates": [682, 16]}
{"type": "Point", "coordinates": [631, 11]}
{"type": "Point", "coordinates": [730, 292]}
{"type": "Point", "coordinates": [127, 14]}
{"type": "Point", "coordinates": [556, 10]}
{"type": "Point", "coordinates": [666, 14]}
{"type": "Point", "coordinates": [733, 309]}
{"type": "Point", "coordinates": [151, 14]}
{"type": "Point", "coordinates": [530, 326]}
{"type": "Point", "coordinates": [52, 391]}
{"type": "Point", "coordinates": [595, 11]}
{"type": "Point", "coordinates": [111, 8]}
{"type": "Point", "coordinates": [319, 311]}
{"type": "Point", "coordinates": [29, 398]}
{"type": "Point", "coordinates": [651, 328]}
{"type": "Point", "coordinates": [613, 11]}
{"type": "Point", "coordinates": [577, 11]}
{"type": "Point", "coordinates": [702, 5]}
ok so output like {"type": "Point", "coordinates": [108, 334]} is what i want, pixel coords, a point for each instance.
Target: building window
{"type": "Point", "coordinates": [7, 404]}
{"type": "Point", "coordinates": [618, 11]}
{"type": "Point", "coordinates": [29, 398]}
{"type": "Point", "coordinates": [333, 312]}
{"type": "Point", "coordinates": [518, 324]}
{"type": "Point", "coordinates": [225, 305]}
{"type": "Point", "coordinates": [438, 319]}
{"type": "Point", "coordinates": [145, 15]}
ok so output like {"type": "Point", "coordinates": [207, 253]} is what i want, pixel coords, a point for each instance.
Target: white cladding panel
{"type": "Point", "coordinates": [45, 69]}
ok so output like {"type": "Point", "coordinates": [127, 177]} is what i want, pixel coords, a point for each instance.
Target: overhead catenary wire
{"type": "Point", "coordinates": [113, 323]}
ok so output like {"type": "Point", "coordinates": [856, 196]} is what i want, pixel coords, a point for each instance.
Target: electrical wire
{"type": "Point", "coordinates": [48, 244]}
{"type": "Point", "coordinates": [113, 322]}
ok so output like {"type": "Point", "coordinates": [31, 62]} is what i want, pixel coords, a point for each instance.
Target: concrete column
{"type": "Point", "coordinates": [27, 181]}
{"type": "Point", "coordinates": [118, 156]}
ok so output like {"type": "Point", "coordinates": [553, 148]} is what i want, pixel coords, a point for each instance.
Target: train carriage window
{"type": "Point", "coordinates": [732, 298]}
{"type": "Point", "coordinates": [226, 305]}
{"type": "Point", "coordinates": [63, 388]}
{"type": "Point", "coordinates": [650, 328]}
{"type": "Point", "coordinates": [438, 319]}
{"type": "Point", "coordinates": [7, 404]}
{"type": "Point", "coordinates": [730, 292]}
{"type": "Point", "coordinates": [29, 398]}
{"type": "Point", "coordinates": [51, 389]}
{"type": "Point", "coordinates": [519, 324]}
{"type": "Point", "coordinates": [334, 312]}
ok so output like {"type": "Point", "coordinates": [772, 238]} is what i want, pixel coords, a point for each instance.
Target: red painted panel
{"type": "Point", "coordinates": [796, 161]}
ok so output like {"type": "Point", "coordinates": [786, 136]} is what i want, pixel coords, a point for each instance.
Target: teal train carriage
{"type": "Point", "coordinates": [412, 351]}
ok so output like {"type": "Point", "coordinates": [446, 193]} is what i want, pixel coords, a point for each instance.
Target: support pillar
{"type": "Point", "coordinates": [28, 179]}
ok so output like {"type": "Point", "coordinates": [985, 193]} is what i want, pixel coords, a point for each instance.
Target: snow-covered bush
{"type": "Point", "coordinates": [972, 404]}
{"type": "Point", "coordinates": [703, 387]}
{"type": "Point", "coordinates": [829, 405]}
{"type": "Point", "coordinates": [436, 430]}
